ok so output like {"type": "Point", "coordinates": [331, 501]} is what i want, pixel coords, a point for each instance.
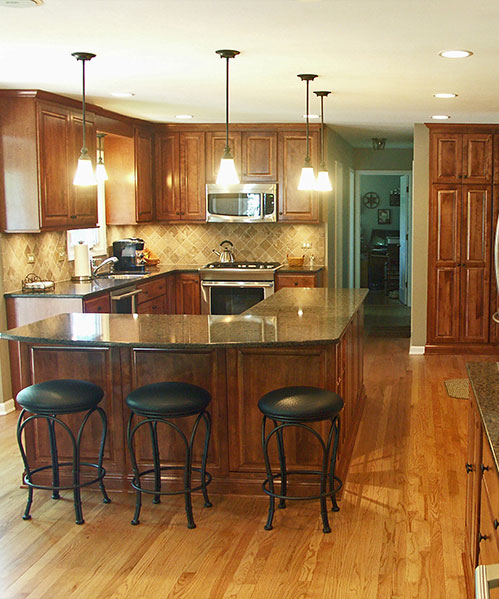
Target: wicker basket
{"type": "Point", "coordinates": [295, 260]}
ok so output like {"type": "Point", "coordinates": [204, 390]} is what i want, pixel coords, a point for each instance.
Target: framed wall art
{"type": "Point", "coordinates": [384, 216]}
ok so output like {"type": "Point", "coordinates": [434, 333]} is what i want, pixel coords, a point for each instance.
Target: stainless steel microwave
{"type": "Point", "coordinates": [246, 203]}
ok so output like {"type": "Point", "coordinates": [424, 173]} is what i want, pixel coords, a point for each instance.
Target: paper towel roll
{"type": "Point", "coordinates": [82, 260]}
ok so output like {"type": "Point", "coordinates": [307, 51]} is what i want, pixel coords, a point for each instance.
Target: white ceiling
{"type": "Point", "coordinates": [378, 57]}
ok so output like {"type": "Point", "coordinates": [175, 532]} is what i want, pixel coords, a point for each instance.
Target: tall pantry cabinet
{"type": "Point", "coordinates": [461, 282]}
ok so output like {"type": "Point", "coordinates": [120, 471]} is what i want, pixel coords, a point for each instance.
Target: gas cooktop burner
{"type": "Point", "coordinates": [244, 265]}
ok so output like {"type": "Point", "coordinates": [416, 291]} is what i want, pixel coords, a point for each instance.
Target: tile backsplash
{"type": "Point", "coordinates": [182, 244]}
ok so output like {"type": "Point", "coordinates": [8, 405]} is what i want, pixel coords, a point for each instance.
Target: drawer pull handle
{"type": "Point", "coordinates": [469, 468]}
{"type": "Point", "coordinates": [482, 537]}
{"type": "Point", "coordinates": [496, 524]}
{"type": "Point", "coordinates": [483, 468]}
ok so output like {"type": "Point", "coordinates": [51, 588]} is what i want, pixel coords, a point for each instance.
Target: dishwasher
{"type": "Point", "coordinates": [124, 300]}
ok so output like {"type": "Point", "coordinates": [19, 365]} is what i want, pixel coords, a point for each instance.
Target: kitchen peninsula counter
{"type": "Point", "coordinates": [295, 337]}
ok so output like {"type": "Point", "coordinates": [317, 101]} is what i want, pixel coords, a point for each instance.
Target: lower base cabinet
{"type": "Point", "coordinates": [188, 294]}
{"type": "Point", "coordinates": [283, 280]}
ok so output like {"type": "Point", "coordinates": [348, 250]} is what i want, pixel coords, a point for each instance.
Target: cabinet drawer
{"type": "Point", "coordinates": [151, 289]}
{"type": "Point", "coordinates": [295, 281]}
{"type": "Point", "coordinates": [489, 545]}
{"type": "Point", "coordinates": [154, 306]}
{"type": "Point", "coordinates": [490, 476]}
{"type": "Point", "coordinates": [100, 303]}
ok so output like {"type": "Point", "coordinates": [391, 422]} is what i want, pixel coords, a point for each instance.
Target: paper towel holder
{"type": "Point", "coordinates": [81, 278]}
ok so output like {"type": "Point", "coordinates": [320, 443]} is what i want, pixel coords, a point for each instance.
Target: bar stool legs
{"type": "Point", "coordinates": [152, 422]}
{"type": "Point", "coordinates": [327, 472]}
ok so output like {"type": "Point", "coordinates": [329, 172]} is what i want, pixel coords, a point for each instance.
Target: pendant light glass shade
{"type": "Point", "coordinates": [100, 169]}
{"type": "Point", "coordinates": [323, 182]}
{"type": "Point", "coordinates": [84, 171]}
{"type": "Point", "coordinates": [307, 177]}
{"type": "Point", "coordinates": [227, 173]}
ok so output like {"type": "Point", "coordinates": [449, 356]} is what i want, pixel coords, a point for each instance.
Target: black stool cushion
{"type": "Point", "coordinates": [168, 399]}
{"type": "Point", "coordinates": [300, 404]}
{"type": "Point", "coordinates": [62, 396]}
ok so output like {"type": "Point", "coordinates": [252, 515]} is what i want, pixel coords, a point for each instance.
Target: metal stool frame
{"type": "Point", "coordinates": [55, 465]}
{"type": "Point", "coordinates": [326, 474]}
{"type": "Point", "coordinates": [206, 477]}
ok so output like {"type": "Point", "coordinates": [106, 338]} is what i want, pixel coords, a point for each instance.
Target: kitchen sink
{"type": "Point", "coordinates": [124, 277]}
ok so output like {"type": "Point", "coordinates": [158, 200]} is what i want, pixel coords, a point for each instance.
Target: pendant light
{"type": "Point", "coordinates": [307, 178]}
{"type": "Point", "coordinates": [227, 174]}
{"type": "Point", "coordinates": [84, 171]}
{"type": "Point", "coordinates": [323, 183]}
{"type": "Point", "coordinates": [100, 169]}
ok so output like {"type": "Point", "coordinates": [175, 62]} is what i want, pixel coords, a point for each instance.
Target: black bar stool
{"type": "Point", "coordinates": [298, 406]}
{"type": "Point", "coordinates": [47, 401]}
{"type": "Point", "coordinates": [162, 402]}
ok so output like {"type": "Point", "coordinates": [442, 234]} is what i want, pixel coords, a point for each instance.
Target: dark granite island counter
{"type": "Point", "coordinates": [296, 337]}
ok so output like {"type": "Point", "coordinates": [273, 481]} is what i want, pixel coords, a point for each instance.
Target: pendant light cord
{"type": "Point", "coordinates": [307, 158]}
{"type": "Point", "coordinates": [322, 131]}
{"type": "Point", "coordinates": [84, 148]}
{"type": "Point", "coordinates": [227, 103]}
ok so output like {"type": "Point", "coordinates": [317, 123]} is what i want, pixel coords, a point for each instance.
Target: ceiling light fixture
{"type": "Point", "coordinates": [455, 53]}
{"type": "Point", "coordinates": [227, 174]}
{"type": "Point", "coordinates": [445, 95]}
{"type": "Point", "coordinates": [307, 178]}
{"type": "Point", "coordinates": [323, 183]}
{"type": "Point", "coordinates": [21, 3]}
{"type": "Point", "coordinates": [312, 116]}
{"type": "Point", "coordinates": [378, 143]}
{"type": "Point", "coordinates": [440, 117]}
{"type": "Point", "coordinates": [184, 116]}
{"type": "Point", "coordinates": [100, 169]}
{"type": "Point", "coordinates": [122, 94]}
{"type": "Point", "coordinates": [84, 172]}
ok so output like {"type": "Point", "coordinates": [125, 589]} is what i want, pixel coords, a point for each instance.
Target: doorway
{"type": "Point", "coordinates": [382, 249]}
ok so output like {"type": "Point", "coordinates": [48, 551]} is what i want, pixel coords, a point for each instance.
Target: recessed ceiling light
{"type": "Point", "coordinates": [311, 116]}
{"type": "Point", "coordinates": [184, 116]}
{"type": "Point", "coordinates": [122, 94]}
{"type": "Point", "coordinates": [21, 3]}
{"type": "Point", "coordinates": [445, 95]}
{"type": "Point", "coordinates": [455, 53]}
{"type": "Point", "coordinates": [440, 117]}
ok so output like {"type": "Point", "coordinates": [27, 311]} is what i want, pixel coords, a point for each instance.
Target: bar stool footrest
{"type": "Point", "coordinates": [135, 483]}
{"type": "Point", "coordinates": [338, 485]}
{"type": "Point", "coordinates": [29, 483]}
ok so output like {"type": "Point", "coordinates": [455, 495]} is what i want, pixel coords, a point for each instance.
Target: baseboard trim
{"type": "Point", "coordinates": [463, 349]}
{"type": "Point", "coordinates": [7, 407]}
{"type": "Point", "coordinates": [416, 350]}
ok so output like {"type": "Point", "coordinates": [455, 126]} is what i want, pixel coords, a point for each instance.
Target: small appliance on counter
{"type": "Point", "coordinates": [130, 254]}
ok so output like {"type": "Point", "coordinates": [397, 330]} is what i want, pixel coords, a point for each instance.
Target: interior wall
{"type": "Point", "coordinates": [396, 159]}
{"type": "Point", "coordinates": [382, 185]}
{"type": "Point", "coordinates": [420, 208]}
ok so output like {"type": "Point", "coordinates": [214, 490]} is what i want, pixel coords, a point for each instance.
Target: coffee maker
{"type": "Point", "coordinates": [130, 254]}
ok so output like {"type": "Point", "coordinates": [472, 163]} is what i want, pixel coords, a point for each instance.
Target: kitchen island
{"type": "Point", "coordinates": [295, 337]}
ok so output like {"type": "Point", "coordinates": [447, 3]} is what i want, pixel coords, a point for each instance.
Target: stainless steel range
{"type": "Point", "coordinates": [233, 287]}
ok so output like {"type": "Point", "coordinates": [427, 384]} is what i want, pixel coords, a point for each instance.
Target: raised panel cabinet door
{"type": "Point", "coordinates": [215, 145]}
{"type": "Point", "coordinates": [447, 157]}
{"type": "Point", "coordinates": [295, 205]}
{"type": "Point", "coordinates": [53, 145]}
{"type": "Point", "coordinates": [443, 264]}
{"type": "Point", "coordinates": [170, 306]}
{"type": "Point", "coordinates": [101, 303]}
{"type": "Point", "coordinates": [83, 206]}
{"type": "Point", "coordinates": [167, 178]}
{"type": "Point", "coordinates": [188, 294]}
{"type": "Point", "coordinates": [192, 176]}
{"type": "Point", "coordinates": [475, 263]}
{"type": "Point", "coordinates": [494, 282]}
{"type": "Point", "coordinates": [259, 156]}
{"type": "Point", "coordinates": [477, 158]}
{"type": "Point", "coordinates": [144, 176]}
{"type": "Point", "coordinates": [496, 158]}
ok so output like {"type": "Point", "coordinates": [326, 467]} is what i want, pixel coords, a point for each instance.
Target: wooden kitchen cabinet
{"type": "Point", "coordinates": [297, 280]}
{"type": "Point", "coordinates": [461, 157]}
{"type": "Point", "coordinates": [295, 205]}
{"type": "Point", "coordinates": [40, 145]}
{"type": "Point", "coordinates": [188, 293]}
{"type": "Point", "coordinates": [151, 289]}
{"type": "Point", "coordinates": [259, 156]}
{"type": "Point", "coordinates": [99, 303]}
{"type": "Point", "coordinates": [215, 145]}
{"type": "Point", "coordinates": [180, 177]}
{"type": "Point", "coordinates": [144, 194]}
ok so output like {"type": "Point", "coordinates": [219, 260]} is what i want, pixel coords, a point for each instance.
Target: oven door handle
{"type": "Point", "coordinates": [237, 283]}
{"type": "Point", "coordinates": [117, 298]}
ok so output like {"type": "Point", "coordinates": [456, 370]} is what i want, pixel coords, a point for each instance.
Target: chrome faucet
{"type": "Point", "coordinates": [109, 261]}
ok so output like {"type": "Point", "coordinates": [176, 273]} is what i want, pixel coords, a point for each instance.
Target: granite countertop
{"type": "Point", "coordinates": [484, 377]}
{"type": "Point", "coordinates": [101, 284]}
{"type": "Point", "coordinates": [288, 317]}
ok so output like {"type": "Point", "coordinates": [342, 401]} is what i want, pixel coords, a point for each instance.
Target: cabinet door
{"type": "Point", "coordinates": [143, 174]}
{"type": "Point", "coordinates": [446, 157]}
{"type": "Point", "coordinates": [477, 158]}
{"type": "Point", "coordinates": [170, 294]}
{"type": "Point", "coordinates": [444, 257]}
{"type": "Point", "coordinates": [154, 306]}
{"type": "Point", "coordinates": [215, 144]}
{"type": "Point", "coordinates": [83, 206]}
{"type": "Point", "coordinates": [54, 145]}
{"type": "Point", "coordinates": [472, 507]}
{"type": "Point", "coordinates": [101, 303]}
{"type": "Point", "coordinates": [192, 176]}
{"type": "Point", "coordinates": [301, 280]}
{"type": "Point", "coordinates": [496, 158]}
{"type": "Point", "coordinates": [475, 263]}
{"type": "Point", "coordinates": [188, 294]}
{"type": "Point", "coordinates": [494, 282]}
{"type": "Point", "coordinates": [259, 156]}
{"type": "Point", "coordinates": [167, 180]}
{"type": "Point", "coordinates": [295, 205]}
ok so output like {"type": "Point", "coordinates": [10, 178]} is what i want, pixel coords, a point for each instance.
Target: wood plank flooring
{"type": "Point", "coordinates": [399, 534]}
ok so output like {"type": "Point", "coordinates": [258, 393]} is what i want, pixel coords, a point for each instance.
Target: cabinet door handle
{"type": "Point", "coordinates": [496, 524]}
{"type": "Point", "coordinates": [469, 468]}
{"type": "Point", "coordinates": [465, 176]}
{"type": "Point", "coordinates": [483, 468]}
{"type": "Point", "coordinates": [73, 216]}
{"type": "Point", "coordinates": [482, 537]}
{"type": "Point", "coordinates": [177, 213]}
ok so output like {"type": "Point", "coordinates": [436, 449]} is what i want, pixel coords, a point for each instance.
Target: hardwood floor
{"type": "Point", "coordinates": [399, 534]}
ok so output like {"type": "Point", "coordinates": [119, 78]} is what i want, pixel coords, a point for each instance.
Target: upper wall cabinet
{"type": "Point", "coordinates": [295, 205]}
{"type": "Point", "coordinates": [215, 145]}
{"type": "Point", "coordinates": [461, 157]}
{"type": "Point", "coordinates": [180, 177]}
{"type": "Point", "coordinates": [40, 145]}
{"type": "Point", "coordinates": [259, 156]}
{"type": "Point", "coordinates": [129, 188]}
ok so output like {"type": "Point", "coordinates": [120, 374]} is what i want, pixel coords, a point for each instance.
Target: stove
{"type": "Point", "coordinates": [244, 265]}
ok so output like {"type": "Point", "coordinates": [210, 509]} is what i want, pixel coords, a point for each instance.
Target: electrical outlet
{"type": "Point", "coordinates": [306, 245]}
{"type": "Point", "coordinates": [61, 256]}
{"type": "Point", "coordinates": [31, 258]}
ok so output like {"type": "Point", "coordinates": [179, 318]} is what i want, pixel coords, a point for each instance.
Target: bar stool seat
{"type": "Point", "coordinates": [298, 407]}
{"type": "Point", "coordinates": [46, 401]}
{"type": "Point", "coordinates": [163, 402]}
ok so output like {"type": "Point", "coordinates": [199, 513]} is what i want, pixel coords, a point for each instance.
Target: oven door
{"type": "Point", "coordinates": [233, 297]}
